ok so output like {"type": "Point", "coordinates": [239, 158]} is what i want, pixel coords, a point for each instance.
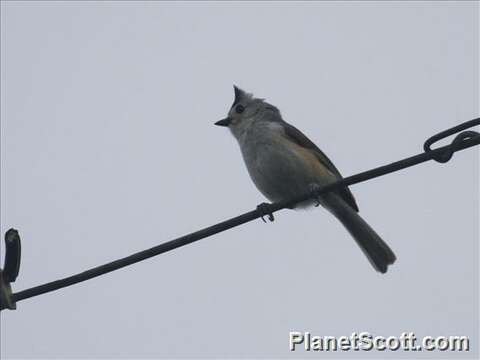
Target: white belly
{"type": "Point", "coordinates": [281, 169]}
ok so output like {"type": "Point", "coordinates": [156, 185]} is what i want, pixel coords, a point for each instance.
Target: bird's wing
{"type": "Point", "coordinates": [299, 138]}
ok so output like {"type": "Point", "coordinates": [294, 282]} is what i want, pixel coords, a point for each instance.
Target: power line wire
{"type": "Point", "coordinates": [442, 154]}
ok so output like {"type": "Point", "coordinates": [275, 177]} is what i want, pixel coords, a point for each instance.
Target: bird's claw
{"type": "Point", "coordinates": [315, 197]}
{"type": "Point", "coordinates": [264, 210]}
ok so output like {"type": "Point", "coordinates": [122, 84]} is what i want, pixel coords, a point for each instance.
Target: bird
{"type": "Point", "coordinates": [283, 163]}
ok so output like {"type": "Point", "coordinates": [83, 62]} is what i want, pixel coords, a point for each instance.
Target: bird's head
{"type": "Point", "coordinates": [247, 109]}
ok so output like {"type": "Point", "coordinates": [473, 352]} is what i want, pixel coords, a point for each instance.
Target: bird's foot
{"type": "Point", "coordinates": [264, 210]}
{"type": "Point", "coordinates": [316, 198]}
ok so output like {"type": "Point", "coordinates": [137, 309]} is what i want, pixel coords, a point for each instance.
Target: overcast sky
{"type": "Point", "coordinates": [108, 147]}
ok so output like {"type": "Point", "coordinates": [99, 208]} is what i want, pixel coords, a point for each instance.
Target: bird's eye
{"type": "Point", "coordinates": [239, 109]}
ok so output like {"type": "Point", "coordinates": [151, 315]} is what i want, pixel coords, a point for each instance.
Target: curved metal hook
{"type": "Point", "coordinates": [446, 155]}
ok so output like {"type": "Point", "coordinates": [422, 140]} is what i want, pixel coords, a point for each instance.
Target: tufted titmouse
{"type": "Point", "coordinates": [283, 163]}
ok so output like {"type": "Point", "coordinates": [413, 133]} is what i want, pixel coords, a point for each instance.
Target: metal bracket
{"type": "Point", "coordinates": [10, 270]}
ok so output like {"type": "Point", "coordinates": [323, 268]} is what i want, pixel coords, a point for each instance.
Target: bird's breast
{"type": "Point", "coordinates": [279, 168]}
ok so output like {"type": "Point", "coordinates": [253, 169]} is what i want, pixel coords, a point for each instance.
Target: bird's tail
{"type": "Point", "coordinates": [377, 251]}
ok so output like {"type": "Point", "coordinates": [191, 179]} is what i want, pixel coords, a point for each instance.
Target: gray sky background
{"type": "Point", "coordinates": [108, 147]}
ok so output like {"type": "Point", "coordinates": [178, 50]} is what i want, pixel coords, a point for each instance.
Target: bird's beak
{"type": "Point", "coordinates": [224, 122]}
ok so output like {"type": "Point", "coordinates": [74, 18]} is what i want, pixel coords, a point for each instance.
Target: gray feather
{"type": "Point", "coordinates": [298, 137]}
{"type": "Point", "coordinates": [377, 251]}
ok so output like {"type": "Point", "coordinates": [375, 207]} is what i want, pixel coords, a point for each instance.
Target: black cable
{"type": "Point", "coordinates": [462, 141]}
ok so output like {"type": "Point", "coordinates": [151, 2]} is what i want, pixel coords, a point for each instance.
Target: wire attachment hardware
{"type": "Point", "coordinates": [455, 145]}
{"type": "Point", "coordinates": [10, 269]}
